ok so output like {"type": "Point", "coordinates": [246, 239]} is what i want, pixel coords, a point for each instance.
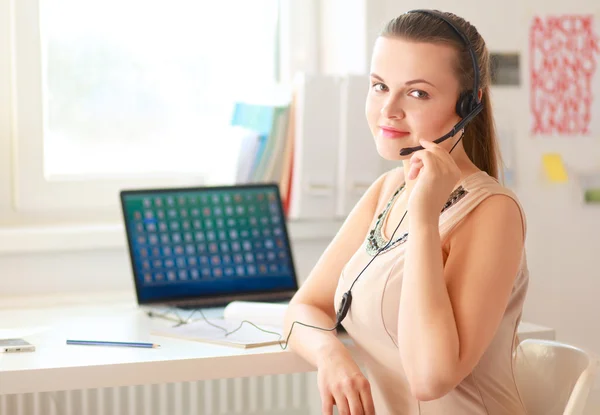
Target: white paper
{"type": "Point", "coordinates": [271, 314]}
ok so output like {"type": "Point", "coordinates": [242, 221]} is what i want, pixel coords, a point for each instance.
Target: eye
{"type": "Point", "coordinates": [379, 87]}
{"type": "Point", "coordinates": [417, 93]}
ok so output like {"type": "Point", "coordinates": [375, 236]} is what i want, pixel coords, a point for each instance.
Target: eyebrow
{"type": "Point", "coordinates": [411, 82]}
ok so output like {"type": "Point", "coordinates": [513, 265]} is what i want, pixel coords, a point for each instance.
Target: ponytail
{"type": "Point", "coordinates": [480, 140]}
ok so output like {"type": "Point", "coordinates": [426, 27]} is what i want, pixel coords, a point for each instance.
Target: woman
{"type": "Point", "coordinates": [435, 314]}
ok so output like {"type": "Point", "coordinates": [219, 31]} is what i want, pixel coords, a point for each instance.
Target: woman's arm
{"type": "Point", "coordinates": [449, 315]}
{"type": "Point", "coordinates": [340, 380]}
{"type": "Point", "coordinates": [313, 303]}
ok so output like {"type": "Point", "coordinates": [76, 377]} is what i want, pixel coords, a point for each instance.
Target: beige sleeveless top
{"type": "Point", "coordinates": [373, 317]}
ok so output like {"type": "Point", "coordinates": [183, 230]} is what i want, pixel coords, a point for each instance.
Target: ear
{"type": "Point", "coordinates": [479, 95]}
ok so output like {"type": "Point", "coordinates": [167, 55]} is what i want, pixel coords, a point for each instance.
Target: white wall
{"type": "Point", "coordinates": [92, 271]}
{"type": "Point", "coordinates": [343, 47]}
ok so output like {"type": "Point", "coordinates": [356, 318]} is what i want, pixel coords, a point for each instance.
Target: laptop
{"type": "Point", "coordinates": [203, 247]}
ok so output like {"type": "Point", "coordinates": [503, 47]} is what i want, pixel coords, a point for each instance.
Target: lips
{"type": "Point", "coordinates": [390, 132]}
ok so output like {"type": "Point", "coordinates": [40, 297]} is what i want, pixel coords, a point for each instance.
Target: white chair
{"type": "Point", "coordinates": [553, 378]}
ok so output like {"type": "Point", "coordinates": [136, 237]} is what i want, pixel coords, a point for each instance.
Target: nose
{"type": "Point", "coordinates": [392, 109]}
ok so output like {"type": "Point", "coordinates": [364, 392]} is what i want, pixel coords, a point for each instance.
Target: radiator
{"type": "Point", "coordinates": [266, 395]}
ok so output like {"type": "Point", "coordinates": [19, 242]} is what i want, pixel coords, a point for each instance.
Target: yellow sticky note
{"type": "Point", "coordinates": [554, 168]}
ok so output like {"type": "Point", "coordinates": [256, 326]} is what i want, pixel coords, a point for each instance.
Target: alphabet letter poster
{"type": "Point", "coordinates": [564, 83]}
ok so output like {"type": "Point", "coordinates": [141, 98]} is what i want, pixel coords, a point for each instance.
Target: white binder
{"type": "Point", "coordinates": [316, 147]}
{"type": "Point", "coordinates": [359, 164]}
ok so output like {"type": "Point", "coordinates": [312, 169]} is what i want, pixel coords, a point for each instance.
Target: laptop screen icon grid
{"type": "Point", "coordinates": [207, 241]}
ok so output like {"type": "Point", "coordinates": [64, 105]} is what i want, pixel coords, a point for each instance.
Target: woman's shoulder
{"type": "Point", "coordinates": [491, 199]}
{"type": "Point", "coordinates": [486, 184]}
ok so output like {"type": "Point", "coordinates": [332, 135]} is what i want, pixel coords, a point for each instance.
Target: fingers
{"type": "Point", "coordinates": [423, 156]}
{"type": "Point", "coordinates": [355, 404]}
{"type": "Point", "coordinates": [417, 162]}
{"type": "Point", "coordinates": [427, 144]}
{"type": "Point", "coordinates": [415, 168]}
{"type": "Point", "coordinates": [342, 403]}
{"type": "Point", "coordinates": [349, 391]}
{"type": "Point", "coordinates": [327, 404]}
{"type": "Point", "coordinates": [434, 151]}
{"type": "Point", "coordinates": [433, 148]}
{"type": "Point", "coordinates": [367, 400]}
{"type": "Point", "coordinates": [349, 401]}
{"type": "Point", "coordinates": [430, 145]}
{"type": "Point", "coordinates": [433, 157]}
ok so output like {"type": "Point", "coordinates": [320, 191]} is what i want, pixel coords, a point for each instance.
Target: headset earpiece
{"type": "Point", "coordinates": [465, 104]}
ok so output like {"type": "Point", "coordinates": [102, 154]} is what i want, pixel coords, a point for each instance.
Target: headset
{"type": "Point", "coordinates": [467, 107]}
{"type": "Point", "coordinates": [468, 104]}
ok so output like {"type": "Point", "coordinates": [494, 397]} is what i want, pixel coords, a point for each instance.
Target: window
{"type": "Point", "coordinates": [128, 93]}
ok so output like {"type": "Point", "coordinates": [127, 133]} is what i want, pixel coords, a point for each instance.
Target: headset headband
{"type": "Point", "coordinates": [467, 44]}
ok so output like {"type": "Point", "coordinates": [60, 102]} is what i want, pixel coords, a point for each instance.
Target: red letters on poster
{"type": "Point", "coordinates": [562, 57]}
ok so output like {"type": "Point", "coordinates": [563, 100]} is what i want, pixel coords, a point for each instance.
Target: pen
{"type": "Point", "coordinates": [110, 343]}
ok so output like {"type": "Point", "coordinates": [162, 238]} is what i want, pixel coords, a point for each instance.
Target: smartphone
{"type": "Point", "coordinates": [15, 345]}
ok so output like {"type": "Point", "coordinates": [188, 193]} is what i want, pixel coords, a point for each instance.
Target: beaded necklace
{"type": "Point", "coordinates": [375, 239]}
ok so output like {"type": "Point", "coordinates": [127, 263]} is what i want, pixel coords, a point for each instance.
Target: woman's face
{"type": "Point", "coordinates": [412, 95]}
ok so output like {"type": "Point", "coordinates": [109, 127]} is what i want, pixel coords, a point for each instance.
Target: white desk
{"type": "Point", "coordinates": [56, 366]}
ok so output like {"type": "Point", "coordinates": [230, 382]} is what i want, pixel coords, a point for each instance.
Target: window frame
{"type": "Point", "coordinates": [33, 194]}
{"type": "Point", "coordinates": [6, 167]}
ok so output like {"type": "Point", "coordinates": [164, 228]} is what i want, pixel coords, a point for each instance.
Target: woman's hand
{"type": "Point", "coordinates": [341, 383]}
{"type": "Point", "coordinates": [436, 174]}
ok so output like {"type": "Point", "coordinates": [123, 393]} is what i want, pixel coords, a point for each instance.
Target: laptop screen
{"type": "Point", "coordinates": [200, 243]}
